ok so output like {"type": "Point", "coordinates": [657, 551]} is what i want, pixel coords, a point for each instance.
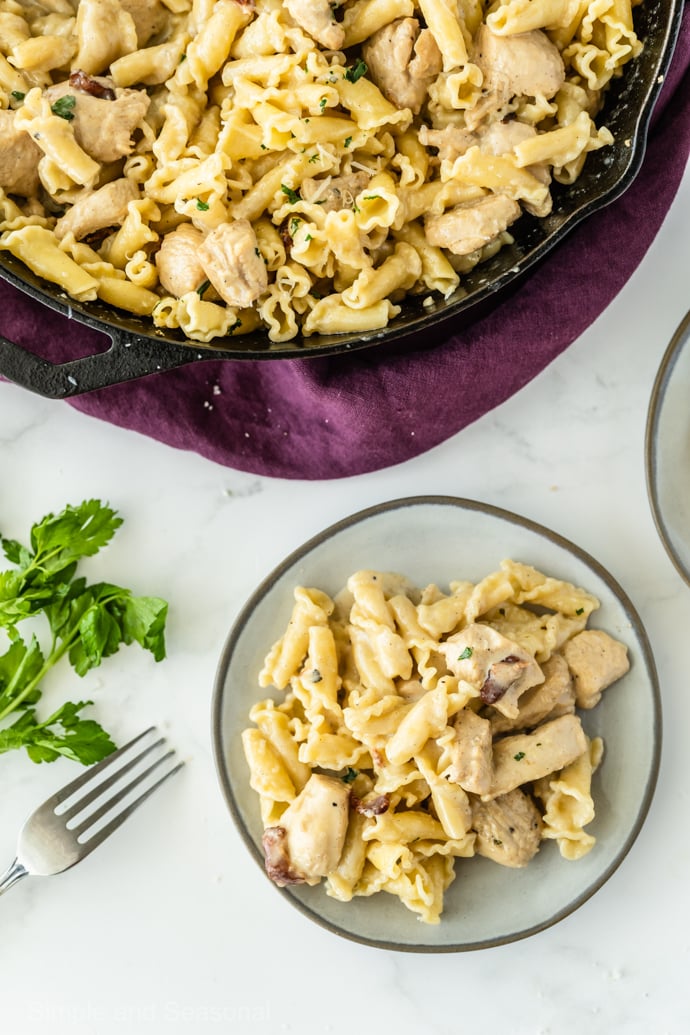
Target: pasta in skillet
{"type": "Point", "coordinates": [420, 726]}
{"type": "Point", "coordinates": [296, 165]}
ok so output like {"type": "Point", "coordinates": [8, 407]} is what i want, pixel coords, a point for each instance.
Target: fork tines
{"type": "Point", "coordinates": [107, 795]}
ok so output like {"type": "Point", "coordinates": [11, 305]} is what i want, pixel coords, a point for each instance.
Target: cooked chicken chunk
{"type": "Point", "coordinates": [526, 64]}
{"type": "Point", "coordinates": [596, 660]}
{"type": "Point", "coordinates": [177, 260]}
{"type": "Point", "coordinates": [97, 209]}
{"type": "Point", "coordinates": [470, 754]}
{"type": "Point", "coordinates": [500, 669]}
{"type": "Point", "coordinates": [105, 31]}
{"type": "Point", "coordinates": [316, 17]}
{"type": "Point", "coordinates": [473, 224]}
{"type": "Point", "coordinates": [335, 193]}
{"type": "Point", "coordinates": [501, 136]}
{"type": "Point", "coordinates": [149, 17]}
{"type": "Point", "coordinates": [309, 841]}
{"type": "Point", "coordinates": [525, 757]}
{"type": "Point", "coordinates": [19, 158]}
{"type": "Point", "coordinates": [233, 263]}
{"type": "Point", "coordinates": [451, 141]}
{"type": "Point", "coordinates": [508, 828]}
{"type": "Point", "coordinates": [554, 697]}
{"type": "Point", "coordinates": [403, 60]}
{"type": "Point", "coordinates": [103, 127]}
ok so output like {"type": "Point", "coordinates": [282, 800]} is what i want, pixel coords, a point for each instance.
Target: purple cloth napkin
{"type": "Point", "coordinates": [345, 415]}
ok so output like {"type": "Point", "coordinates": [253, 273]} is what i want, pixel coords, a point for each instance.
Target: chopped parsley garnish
{"type": "Point", "coordinates": [202, 205]}
{"type": "Point", "coordinates": [467, 653]}
{"type": "Point", "coordinates": [64, 107]}
{"type": "Point", "coordinates": [294, 225]}
{"type": "Point", "coordinates": [290, 194]}
{"type": "Point", "coordinates": [17, 95]}
{"type": "Point", "coordinates": [203, 288]}
{"type": "Point", "coordinates": [580, 611]}
{"type": "Point", "coordinates": [348, 141]}
{"type": "Point", "coordinates": [519, 757]}
{"type": "Point", "coordinates": [372, 197]}
{"type": "Point", "coordinates": [322, 104]}
{"type": "Point", "coordinates": [314, 157]}
{"type": "Point", "coordinates": [308, 237]}
{"type": "Point", "coordinates": [350, 775]}
{"type": "Point", "coordinates": [356, 71]}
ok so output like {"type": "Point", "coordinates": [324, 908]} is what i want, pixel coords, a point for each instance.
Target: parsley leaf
{"type": "Point", "coordinates": [290, 194]}
{"type": "Point", "coordinates": [58, 543]}
{"type": "Point", "coordinates": [467, 653]}
{"type": "Point", "coordinates": [356, 71]}
{"type": "Point", "coordinates": [64, 107]}
{"type": "Point", "coordinates": [86, 624]}
{"type": "Point", "coordinates": [62, 733]}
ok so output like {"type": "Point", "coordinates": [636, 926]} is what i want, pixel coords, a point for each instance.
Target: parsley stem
{"type": "Point", "coordinates": [57, 651]}
{"type": "Point", "coordinates": [54, 656]}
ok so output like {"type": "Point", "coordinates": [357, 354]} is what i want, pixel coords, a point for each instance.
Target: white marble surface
{"type": "Point", "coordinates": [171, 927]}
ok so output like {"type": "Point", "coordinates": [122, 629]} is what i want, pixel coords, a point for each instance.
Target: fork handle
{"type": "Point", "coordinates": [13, 874]}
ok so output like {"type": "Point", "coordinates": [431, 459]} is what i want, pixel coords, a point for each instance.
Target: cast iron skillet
{"type": "Point", "coordinates": [137, 348]}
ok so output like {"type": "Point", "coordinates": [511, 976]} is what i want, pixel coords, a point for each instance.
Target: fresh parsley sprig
{"type": "Point", "coordinates": [86, 623]}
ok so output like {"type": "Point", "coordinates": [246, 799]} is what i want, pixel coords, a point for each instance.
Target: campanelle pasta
{"type": "Point", "coordinates": [334, 158]}
{"type": "Point", "coordinates": [413, 727]}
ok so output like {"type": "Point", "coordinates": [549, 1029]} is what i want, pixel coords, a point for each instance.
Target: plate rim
{"type": "Point", "coordinates": [679, 340]}
{"type": "Point", "coordinates": [480, 507]}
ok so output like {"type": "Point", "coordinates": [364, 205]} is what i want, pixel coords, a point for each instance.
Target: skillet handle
{"type": "Point", "coordinates": [128, 358]}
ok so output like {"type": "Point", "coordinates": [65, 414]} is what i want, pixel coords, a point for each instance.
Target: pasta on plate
{"type": "Point", "coordinates": [420, 726]}
{"type": "Point", "coordinates": [298, 165]}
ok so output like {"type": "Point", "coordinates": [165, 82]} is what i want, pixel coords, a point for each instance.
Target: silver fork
{"type": "Point", "coordinates": [64, 829]}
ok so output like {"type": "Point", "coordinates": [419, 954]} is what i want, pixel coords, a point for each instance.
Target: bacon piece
{"type": "Point", "coordinates": [375, 806]}
{"type": "Point", "coordinates": [87, 84]}
{"type": "Point", "coordinates": [277, 858]}
{"type": "Point", "coordinates": [501, 677]}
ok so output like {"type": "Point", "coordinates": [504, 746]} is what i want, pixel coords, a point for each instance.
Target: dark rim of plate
{"type": "Point", "coordinates": [678, 343]}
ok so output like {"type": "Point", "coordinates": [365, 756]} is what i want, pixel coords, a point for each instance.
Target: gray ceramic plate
{"type": "Point", "coordinates": [667, 450]}
{"type": "Point", "coordinates": [436, 539]}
